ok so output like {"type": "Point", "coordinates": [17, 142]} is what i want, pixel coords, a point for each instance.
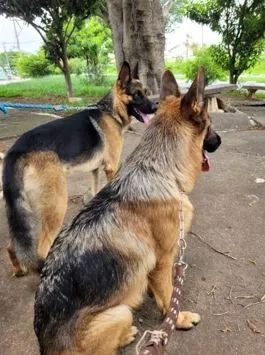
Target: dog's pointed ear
{"type": "Point", "coordinates": [192, 103]}
{"type": "Point", "coordinates": [135, 72]}
{"type": "Point", "coordinates": [169, 85]}
{"type": "Point", "coordinates": [125, 74]}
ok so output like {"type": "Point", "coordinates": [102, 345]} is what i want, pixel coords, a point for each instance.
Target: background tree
{"type": "Point", "coordinates": [138, 32]}
{"type": "Point", "coordinates": [93, 43]}
{"type": "Point", "coordinates": [242, 27]}
{"type": "Point", "coordinates": [173, 11]}
{"type": "Point", "coordinates": [55, 21]}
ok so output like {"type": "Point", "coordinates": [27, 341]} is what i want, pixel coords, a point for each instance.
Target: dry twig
{"type": "Point", "coordinates": [212, 291]}
{"type": "Point", "coordinates": [220, 314]}
{"type": "Point", "coordinates": [212, 247]}
{"type": "Point", "coordinates": [229, 298]}
{"type": "Point", "coordinates": [226, 330]}
{"type": "Point", "coordinates": [253, 304]}
{"type": "Point", "coordinates": [253, 327]}
{"type": "Point", "coordinates": [246, 297]}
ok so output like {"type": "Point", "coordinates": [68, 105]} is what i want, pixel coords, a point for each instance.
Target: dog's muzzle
{"type": "Point", "coordinates": [212, 141]}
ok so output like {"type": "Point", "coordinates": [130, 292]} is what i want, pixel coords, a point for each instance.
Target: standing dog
{"type": "Point", "coordinates": [34, 179]}
{"type": "Point", "coordinates": [125, 239]}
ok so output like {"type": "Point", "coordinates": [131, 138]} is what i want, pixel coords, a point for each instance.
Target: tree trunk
{"type": "Point", "coordinates": [66, 73]}
{"type": "Point", "coordinates": [138, 32]}
{"type": "Point", "coordinates": [116, 21]}
{"type": "Point", "coordinates": [233, 77]}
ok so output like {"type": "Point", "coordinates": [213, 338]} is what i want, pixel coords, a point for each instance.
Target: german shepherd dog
{"type": "Point", "coordinates": [125, 239]}
{"type": "Point", "coordinates": [34, 179]}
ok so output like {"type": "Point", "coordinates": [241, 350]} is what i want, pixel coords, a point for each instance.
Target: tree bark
{"type": "Point", "coordinates": [66, 72]}
{"type": "Point", "coordinates": [138, 32]}
{"type": "Point", "coordinates": [233, 77]}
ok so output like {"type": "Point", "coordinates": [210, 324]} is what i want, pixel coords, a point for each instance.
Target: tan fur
{"type": "Point", "coordinates": [106, 330]}
{"type": "Point", "coordinates": [113, 145]}
{"type": "Point", "coordinates": [46, 189]}
{"type": "Point", "coordinates": [190, 142]}
{"type": "Point", "coordinates": [18, 268]}
{"type": "Point", "coordinates": [120, 102]}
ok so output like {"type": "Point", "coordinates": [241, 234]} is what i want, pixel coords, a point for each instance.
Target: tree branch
{"type": "Point", "coordinates": [38, 29]}
{"type": "Point", "coordinates": [166, 8]}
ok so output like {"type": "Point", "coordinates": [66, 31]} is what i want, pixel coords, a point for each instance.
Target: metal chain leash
{"type": "Point", "coordinates": [153, 342]}
{"type": "Point", "coordinates": [181, 241]}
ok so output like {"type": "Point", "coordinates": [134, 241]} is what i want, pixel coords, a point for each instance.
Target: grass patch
{"type": "Point", "coordinates": [253, 78]}
{"type": "Point", "coordinates": [54, 85]}
{"type": "Point", "coordinates": [243, 93]}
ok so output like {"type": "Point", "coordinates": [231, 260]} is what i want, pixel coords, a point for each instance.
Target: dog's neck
{"type": "Point", "coordinates": [162, 166]}
{"type": "Point", "coordinates": [114, 107]}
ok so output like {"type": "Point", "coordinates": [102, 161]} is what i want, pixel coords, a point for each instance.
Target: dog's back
{"type": "Point", "coordinates": [89, 271]}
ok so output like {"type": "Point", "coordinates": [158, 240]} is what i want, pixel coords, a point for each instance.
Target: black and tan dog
{"type": "Point", "coordinates": [125, 240]}
{"type": "Point", "coordinates": [34, 179]}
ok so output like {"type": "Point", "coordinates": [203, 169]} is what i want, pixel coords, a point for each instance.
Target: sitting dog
{"type": "Point", "coordinates": [34, 179]}
{"type": "Point", "coordinates": [125, 239]}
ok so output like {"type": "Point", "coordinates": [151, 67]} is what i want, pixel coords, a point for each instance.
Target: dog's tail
{"type": "Point", "coordinates": [19, 212]}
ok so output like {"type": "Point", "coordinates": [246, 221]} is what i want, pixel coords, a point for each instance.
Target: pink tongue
{"type": "Point", "coordinates": [146, 118]}
{"type": "Point", "coordinates": [205, 162]}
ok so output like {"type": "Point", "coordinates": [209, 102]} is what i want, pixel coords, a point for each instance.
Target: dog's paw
{"type": "Point", "coordinates": [129, 336]}
{"type": "Point", "coordinates": [87, 197]}
{"type": "Point", "coordinates": [187, 320]}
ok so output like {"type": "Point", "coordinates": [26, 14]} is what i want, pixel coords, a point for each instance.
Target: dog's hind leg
{"type": "Point", "coordinates": [106, 332]}
{"type": "Point", "coordinates": [18, 268]}
{"type": "Point", "coordinates": [95, 174]}
{"type": "Point", "coordinates": [46, 188]}
{"type": "Point", "coordinates": [95, 187]}
{"type": "Point", "coordinates": [53, 208]}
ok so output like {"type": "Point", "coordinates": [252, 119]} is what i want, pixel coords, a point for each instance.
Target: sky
{"type": "Point", "coordinates": [30, 40]}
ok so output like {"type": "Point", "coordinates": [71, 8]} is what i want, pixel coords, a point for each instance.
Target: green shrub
{"type": "Point", "coordinates": [77, 66]}
{"type": "Point", "coordinates": [176, 65]}
{"type": "Point", "coordinates": [205, 57]}
{"type": "Point", "coordinates": [33, 65]}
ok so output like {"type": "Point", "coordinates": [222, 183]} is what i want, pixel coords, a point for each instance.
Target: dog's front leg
{"type": "Point", "coordinates": [160, 285]}
{"type": "Point", "coordinates": [95, 183]}
{"type": "Point", "coordinates": [160, 282]}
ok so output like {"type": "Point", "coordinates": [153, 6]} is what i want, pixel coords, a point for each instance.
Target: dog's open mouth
{"type": "Point", "coordinates": [143, 117]}
{"type": "Point", "coordinates": [205, 161]}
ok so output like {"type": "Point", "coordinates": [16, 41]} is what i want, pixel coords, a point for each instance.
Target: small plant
{"type": "Point", "coordinates": [205, 57]}
{"type": "Point", "coordinates": [33, 65]}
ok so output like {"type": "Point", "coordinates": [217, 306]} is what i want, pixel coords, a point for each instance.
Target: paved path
{"type": "Point", "coordinates": [229, 217]}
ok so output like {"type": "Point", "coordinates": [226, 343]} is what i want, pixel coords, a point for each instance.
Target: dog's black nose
{"type": "Point", "coordinates": [212, 142]}
{"type": "Point", "coordinates": [154, 105]}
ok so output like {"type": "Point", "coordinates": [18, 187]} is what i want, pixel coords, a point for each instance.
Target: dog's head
{"type": "Point", "coordinates": [190, 110]}
{"type": "Point", "coordinates": [132, 94]}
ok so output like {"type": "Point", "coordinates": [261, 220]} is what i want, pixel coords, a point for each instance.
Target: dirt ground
{"type": "Point", "coordinates": [225, 281]}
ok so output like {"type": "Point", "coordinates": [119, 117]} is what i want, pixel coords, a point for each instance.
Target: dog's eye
{"type": "Point", "coordinates": [137, 95]}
